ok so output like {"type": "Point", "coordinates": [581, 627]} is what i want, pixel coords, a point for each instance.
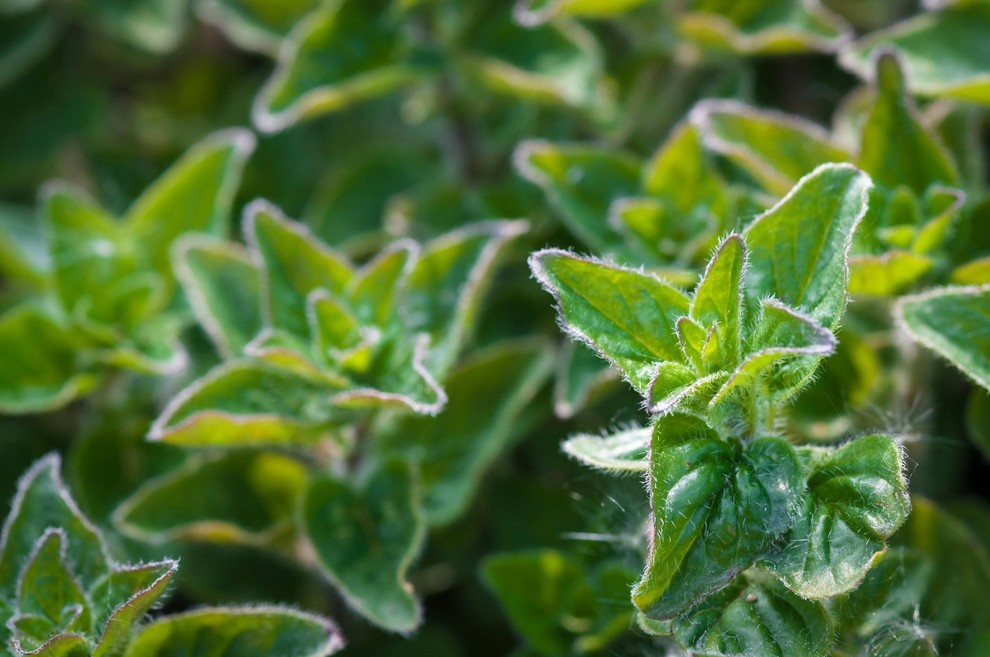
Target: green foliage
{"type": "Point", "coordinates": [772, 273]}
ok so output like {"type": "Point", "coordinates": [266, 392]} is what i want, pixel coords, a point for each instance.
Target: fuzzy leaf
{"type": "Point", "coordinates": [364, 539]}
{"type": "Point", "coordinates": [223, 287]}
{"type": "Point", "coordinates": [124, 597]}
{"type": "Point", "coordinates": [345, 52]}
{"type": "Point", "coordinates": [42, 501]}
{"type": "Point", "coordinates": [619, 453]}
{"type": "Point", "coordinates": [857, 498]}
{"type": "Point", "coordinates": [775, 149]}
{"type": "Point", "coordinates": [754, 617]}
{"type": "Point", "coordinates": [718, 297]}
{"type": "Point", "coordinates": [717, 508]}
{"type": "Point", "coordinates": [954, 323]}
{"type": "Point", "coordinates": [488, 396]}
{"type": "Point", "coordinates": [798, 248]}
{"type": "Point", "coordinates": [627, 316]}
{"type": "Point", "coordinates": [581, 182]}
{"type": "Point", "coordinates": [238, 497]}
{"type": "Point", "coordinates": [244, 403]}
{"type": "Point", "coordinates": [40, 369]}
{"type": "Point", "coordinates": [896, 148]}
{"type": "Point", "coordinates": [945, 53]}
{"type": "Point", "coordinates": [238, 632]}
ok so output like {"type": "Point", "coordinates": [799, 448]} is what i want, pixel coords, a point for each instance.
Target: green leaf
{"type": "Point", "coordinates": [798, 249]}
{"type": "Point", "coordinates": [489, 394]}
{"type": "Point", "coordinates": [42, 502]}
{"type": "Point", "coordinates": [23, 248]}
{"type": "Point", "coordinates": [223, 287]}
{"type": "Point", "coordinates": [126, 595]}
{"type": "Point", "coordinates": [887, 274]}
{"type": "Point", "coordinates": [763, 27]}
{"type": "Point", "coordinates": [238, 632]}
{"type": "Point", "coordinates": [152, 25]}
{"type": "Point", "coordinates": [255, 25]}
{"type": "Point", "coordinates": [718, 297]}
{"type": "Point", "coordinates": [582, 376]}
{"type": "Point", "coordinates": [535, 12]}
{"type": "Point", "coordinates": [717, 508]}
{"type": "Point", "coordinates": [557, 603]}
{"type": "Point", "coordinates": [896, 148]}
{"type": "Point", "coordinates": [243, 403]}
{"type": "Point", "coordinates": [754, 617]}
{"type": "Point", "coordinates": [954, 322]}
{"type": "Point", "coordinates": [775, 149]}
{"type": "Point", "coordinates": [193, 196]}
{"type": "Point", "coordinates": [622, 452]}
{"type": "Point", "coordinates": [294, 263]}
{"type": "Point", "coordinates": [246, 497]}
{"type": "Point", "coordinates": [24, 39]}
{"type": "Point", "coordinates": [48, 594]}
{"type": "Point", "coordinates": [443, 293]}
{"type": "Point", "coordinates": [627, 316]}
{"type": "Point", "coordinates": [857, 498]}
{"type": "Point", "coordinates": [944, 53]}
{"type": "Point", "coordinates": [581, 183]}
{"type": "Point", "coordinates": [345, 52]}
{"type": "Point", "coordinates": [42, 362]}
{"type": "Point", "coordinates": [364, 537]}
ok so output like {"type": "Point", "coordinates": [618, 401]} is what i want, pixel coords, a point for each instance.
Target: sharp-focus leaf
{"type": "Point", "coordinates": [123, 598]}
{"type": "Point", "coordinates": [857, 498]}
{"type": "Point", "coordinates": [40, 362]}
{"type": "Point", "coordinates": [627, 316]}
{"type": "Point", "coordinates": [346, 51]}
{"type": "Point", "coordinates": [365, 537]}
{"type": "Point", "coordinates": [756, 616]}
{"type": "Point", "coordinates": [42, 502]}
{"type": "Point", "coordinates": [622, 452]}
{"type": "Point", "coordinates": [954, 323]}
{"type": "Point", "coordinates": [238, 497]}
{"type": "Point", "coordinates": [944, 53]}
{"type": "Point", "coordinates": [775, 149]}
{"type": "Point", "coordinates": [238, 632]}
{"type": "Point", "coordinates": [244, 403]}
{"type": "Point", "coordinates": [581, 182]}
{"type": "Point", "coordinates": [896, 148]}
{"type": "Point", "coordinates": [223, 287]}
{"type": "Point", "coordinates": [798, 249]}
{"type": "Point", "coordinates": [718, 297]}
{"type": "Point", "coordinates": [717, 508]}
{"type": "Point", "coordinates": [484, 414]}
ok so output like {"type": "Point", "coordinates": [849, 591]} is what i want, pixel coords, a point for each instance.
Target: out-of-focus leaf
{"type": "Point", "coordinates": [23, 249]}
{"type": "Point", "coordinates": [152, 25]}
{"type": "Point", "coordinates": [365, 537]}
{"type": "Point", "coordinates": [24, 39]}
{"type": "Point", "coordinates": [954, 322]}
{"type": "Point", "coordinates": [255, 25]}
{"type": "Point", "coordinates": [582, 376]}
{"type": "Point", "coordinates": [238, 632]}
{"type": "Point", "coordinates": [944, 53]}
{"type": "Point", "coordinates": [887, 274]}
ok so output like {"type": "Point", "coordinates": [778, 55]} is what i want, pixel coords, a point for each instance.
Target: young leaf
{"type": "Point", "coordinates": [857, 498]}
{"type": "Point", "coordinates": [754, 617]}
{"type": "Point", "coordinates": [238, 632]}
{"type": "Point", "coordinates": [364, 538]}
{"type": "Point", "coordinates": [717, 508]}
{"type": "Point", "coordinates": [798, 249]}
{"type": "Point", "coordinates": [124, 597]}
{"type": "Point", "coordinates": [718, 297]}
{"type": "Point", "coordinates": [954, 322]}
{"type": "Point", "coordinates": [944, 53]}
{"type": "Point", "coordinates": [627, 316]}
{"type": "Point", "coordinates": [619, 453]}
